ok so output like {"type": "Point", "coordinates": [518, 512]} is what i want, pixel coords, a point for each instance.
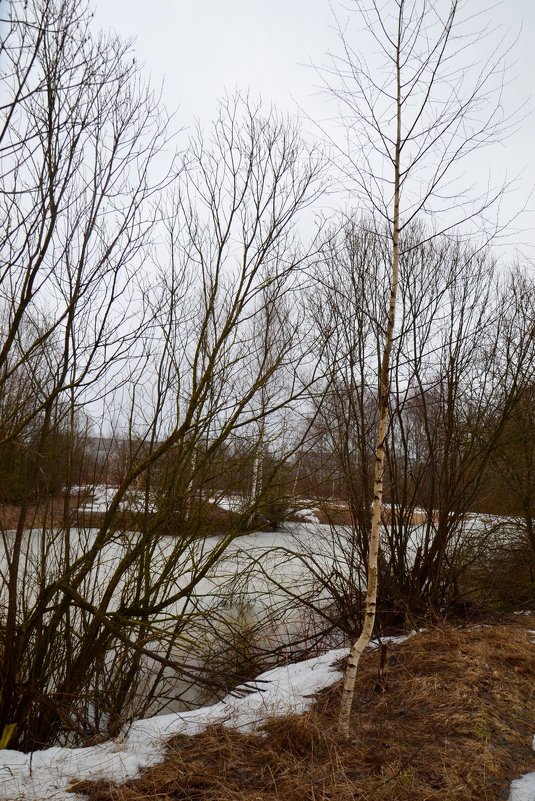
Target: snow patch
{"type": "Point", "coordinates": [523, 789]}
{"type": "Point", "coordinates": [309, 515]}
{"type": "Point", "coordinates": [46, 775]}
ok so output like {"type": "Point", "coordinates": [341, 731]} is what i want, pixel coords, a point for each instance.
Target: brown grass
{"type": "Point", "coordinates": [455, 723]}
{"type": "Point", "coordinates": [338, 513]}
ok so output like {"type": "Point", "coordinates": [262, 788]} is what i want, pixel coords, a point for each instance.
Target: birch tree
{"type": "Point", "coordinates": [412, 118]}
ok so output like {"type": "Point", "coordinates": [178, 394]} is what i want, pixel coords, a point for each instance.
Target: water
{"type": "Point", "coordinates": [265, 600]}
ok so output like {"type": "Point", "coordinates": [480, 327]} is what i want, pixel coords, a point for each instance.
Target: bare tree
{"type": "Point", "coordinates": [415, 116]}
{"type": "Point", "coordinates": [92, 615]}
{"type": "Point", "coordinates": [453, 393]}
{"type": "Point", "coordinates": [514, 459]}
{"type": "Point", "coordinates": [79, 134]}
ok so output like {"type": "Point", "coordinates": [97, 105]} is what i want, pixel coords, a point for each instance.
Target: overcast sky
{"type": "Point", "coordinates": [201, 48]}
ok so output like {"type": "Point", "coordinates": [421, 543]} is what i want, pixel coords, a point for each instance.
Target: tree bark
{"type": "Point", "coordinates": [384, 391]}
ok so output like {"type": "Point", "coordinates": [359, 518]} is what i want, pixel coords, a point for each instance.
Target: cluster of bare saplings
{"type": "Point", "coordinates": [169, 330]}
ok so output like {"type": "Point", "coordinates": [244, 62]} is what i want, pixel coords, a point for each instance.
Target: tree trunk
{"type": "Point", "coordinates": [384, 390]}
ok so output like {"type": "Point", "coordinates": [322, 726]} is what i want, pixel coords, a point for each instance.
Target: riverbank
{"type": "Point", "coordinates": [452, 718]}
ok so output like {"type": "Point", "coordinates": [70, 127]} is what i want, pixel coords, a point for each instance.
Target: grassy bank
{"type": "Point", "coordinates": [452, 719]}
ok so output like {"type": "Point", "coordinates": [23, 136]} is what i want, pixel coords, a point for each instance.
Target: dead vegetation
{"type": "Point", "coordinates": [454, 721]}
{"type": "Point", "coordinates": [336, 512]}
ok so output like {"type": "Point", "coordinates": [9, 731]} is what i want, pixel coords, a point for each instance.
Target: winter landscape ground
{"type": "Point", "coordinates": [451, 694]}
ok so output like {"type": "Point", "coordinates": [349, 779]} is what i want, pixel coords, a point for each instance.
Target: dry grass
{"type": "Point", "coordinates": [338, 513]}
{"type": "Point", "coordinates": [455, 723]}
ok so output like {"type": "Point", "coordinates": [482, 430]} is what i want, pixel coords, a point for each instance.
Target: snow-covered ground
{"type": "Point", "coordinates": [98, 497]}
{"type": "Point", "coordinates": [523, 789]}
{"type": "Point", "coordinates": [47, 775]}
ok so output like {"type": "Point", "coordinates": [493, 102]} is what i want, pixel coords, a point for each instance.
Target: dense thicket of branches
{"type": "Point", "coordinates": [463, 362]}
{"type": "Point", "coordinates": [178, 368]}
{"type": "Point", "coordinates": [150, 287]}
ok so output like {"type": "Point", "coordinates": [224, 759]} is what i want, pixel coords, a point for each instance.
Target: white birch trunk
{"type": "Point", "coordinates": [384, 390]}
{"type": "Point", "coordinates": [257, 475]}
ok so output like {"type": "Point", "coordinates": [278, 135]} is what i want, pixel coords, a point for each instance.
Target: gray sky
{"type": "Point", "coordinates": [200, 48]}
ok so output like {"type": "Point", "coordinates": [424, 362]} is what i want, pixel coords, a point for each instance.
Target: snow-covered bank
{"type": "Point", "coordinates": [45, 775]}
{"type": "Point", "coordinates": [48, 775]}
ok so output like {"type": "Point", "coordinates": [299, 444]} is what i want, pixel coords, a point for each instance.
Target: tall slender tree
{"type": "Point", "coordinates": [414, 112]}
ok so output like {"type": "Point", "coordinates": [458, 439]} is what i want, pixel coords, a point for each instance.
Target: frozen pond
{"type": "Point", "coordinates": [246, 605]}
{"type": "Point", "coordinates": [193, 610]}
